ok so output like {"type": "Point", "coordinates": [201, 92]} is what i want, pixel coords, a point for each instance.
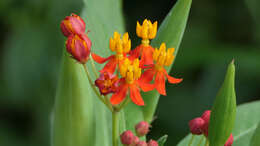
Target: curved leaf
{"type": "Point", "coordinates": [73, 113]}
{"type": "Point", "coordinates": [255, 141]}
{"type": "Point", "coordinates": [161, 141]}
{"type": "Point", "coordinates": [224, 110]}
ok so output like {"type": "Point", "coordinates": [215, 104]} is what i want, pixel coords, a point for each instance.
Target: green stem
{"type": "Point", "coordinates": [96, 73]}
{"type": "Point", "coordinates": [192, 137]}
{"type": "Point", "coordinates": [95, 89]}
{"type": "Point", "coordinates": [108, 103]}
{"type": "Point", "coordinates": [125, 102]}
{"type": "Point", "coordinates": [93, 66]}
{"type": "Point", "coordinates": [115, 128]}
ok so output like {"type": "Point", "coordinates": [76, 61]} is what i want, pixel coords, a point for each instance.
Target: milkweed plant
{"type": "Point", "coordinates": [109, 89]}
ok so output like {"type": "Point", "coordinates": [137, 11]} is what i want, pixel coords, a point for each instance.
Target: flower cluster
{"type": "Point", "coordinates": [78, 44]}
{"type": "Point", "coordinates": [140, 68]}
{"type": "Point", "coordinates": [127, 71]}
{"type": "Point", "coordinates": [200, 125]}
{"type": "Point", "coordinates": [141, 129]}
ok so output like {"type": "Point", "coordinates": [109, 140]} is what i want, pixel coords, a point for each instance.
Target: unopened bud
{"type": "Point", "coordinates": [196, 126]}
{"type": "Point", "coordinates": [127, 137]}
{"type": "Point", "coordinates": [135, 141]}
{"type": "Point", "coordinates": [73, 24]}
{"type": "Point", "coordinates": [142, 128]}
{"type": "Point", "coordinates": [152, 143]}
{"type": "Point", "coordinates": [206, 117]}
{"type": "Point", "coordinates": [230, 140]}
{"type": "Point", "coordinates": [79, 47]}
{"type": "Point", "coordinates": [141, 143]}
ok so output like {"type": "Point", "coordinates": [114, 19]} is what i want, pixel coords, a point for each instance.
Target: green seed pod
{"type": "Point", "coordinates": [73, 115]}
{"type": "Point", "coordinates": [224, 110]}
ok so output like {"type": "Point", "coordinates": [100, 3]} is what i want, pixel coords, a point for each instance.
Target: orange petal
{"type": "Point", "coordinates": [135, 95]}
{"type": "Point", "coordinates": [148, 75]}
{"type": "Point", "coordinates": [100, 59]}
{"type": "Point", "coordinates": [145, 86]}
{"type": "Point", "coordinates": [120, 95]}
{"type": "Point", "coordinates": [160, 83]}
{"type": "Point", "coordinates": [171, 79]}
{"type": "Point", "coordinates": [110, 66]}
{"type": "Point", "coordinates": [133, 54]}
{"type": "Point", "coordinates": [147, 56]}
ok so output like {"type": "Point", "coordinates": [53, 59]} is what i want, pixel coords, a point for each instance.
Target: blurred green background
{"type": "Point", "coordinates": [31, 44]}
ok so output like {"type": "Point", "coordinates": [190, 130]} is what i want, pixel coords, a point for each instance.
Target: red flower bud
{"type": "Point", "coordinates": [152, 143]}
{"type": "Point", "coordinates": [79, 47]}
{"type": "Point", "coordinates": [141, 143]}
{"type": "Point", "coordinates": [73, 24]}
{"type": "Point", "coordinates": [142, 128]}
{"type": "Point", "coordinates": [206, 117]}
{"type": "Point", "coordinates": [230, 140]}
{"type": "Point", "coordinates": [127, 137]}
{"type": "Point", "coordinates": [107, 83]}
{"type": "Point", "coordinates": [135, 141]}
{"type": "Point", "coordinates": [196, 126]}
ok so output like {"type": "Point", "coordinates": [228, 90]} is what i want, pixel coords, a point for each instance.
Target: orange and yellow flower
{"type": "Point", "coordinates": [120, 46]}
{"type": "Point", "coordinates": [146, 31]}
{"type": "Point", "coordinates": [129, 83]}
{"type": "Point", "coordinates": [162, 58]}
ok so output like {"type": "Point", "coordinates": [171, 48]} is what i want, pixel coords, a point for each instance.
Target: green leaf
{"type": "Point", "coordinates": [161, 141]}
{"type": "Point", "coordinates": [73, 114]}
{"type": "Point", "coordinates": [224, 110]}
{"type": "Point", "coordinates": [246, 122]}
{"type": "Point", "coordinates": [255, 141]}
{"type": "Point", "coordinates": [170, 32]}
{"type": "Point", "coordinates": [247, 118]}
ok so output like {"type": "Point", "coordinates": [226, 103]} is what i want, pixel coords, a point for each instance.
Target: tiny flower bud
{"type": "Point", "coordinates": [141, 143]}
{"type": "Point", "coordinates": [127, 137]}
{"type": "Point", "coordinates": [152, 143]}
{"type": "Point", "coordinates": [79, 47]}
{"type": "Point", "coordinates": [196, 125]}
{"type": "Point", "coordinates": [107, 83]}
{"type": "Point", "coordinates": [135, 141]}
{"type": "Point", "coordinates": [142, 128]}
{"type": "Point", "coordinates": [230, 140]}
{"type": "Point", "coordinates": [206, 117]}
{"type": "Point", "coordinates": [73, 24]}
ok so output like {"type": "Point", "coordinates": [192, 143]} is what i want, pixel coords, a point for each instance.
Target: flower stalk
{"type": "Point", "coordinates": [115, 128]}
{"type": "Point", "coordinates": [96, 91]}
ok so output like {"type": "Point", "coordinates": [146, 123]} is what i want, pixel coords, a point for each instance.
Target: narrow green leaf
{"type": "Point", "coordinates": [255, 141]}
{"type": "Point", "coordinates": [73, 113]}
{"type": "Point", "coordinates": [224, 110]}
{"type": "Point", "coordinates": [161, 141]}
{"type": "Point", "coordinates": [170, 32]}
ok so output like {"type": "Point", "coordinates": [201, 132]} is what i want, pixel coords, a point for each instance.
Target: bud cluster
{"type": "Point", "coordinates": [78, 44]}
{"type": "Point", "coordinates": [141, 129]}
{"type": "Point", "coordinates": [200, 125]}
